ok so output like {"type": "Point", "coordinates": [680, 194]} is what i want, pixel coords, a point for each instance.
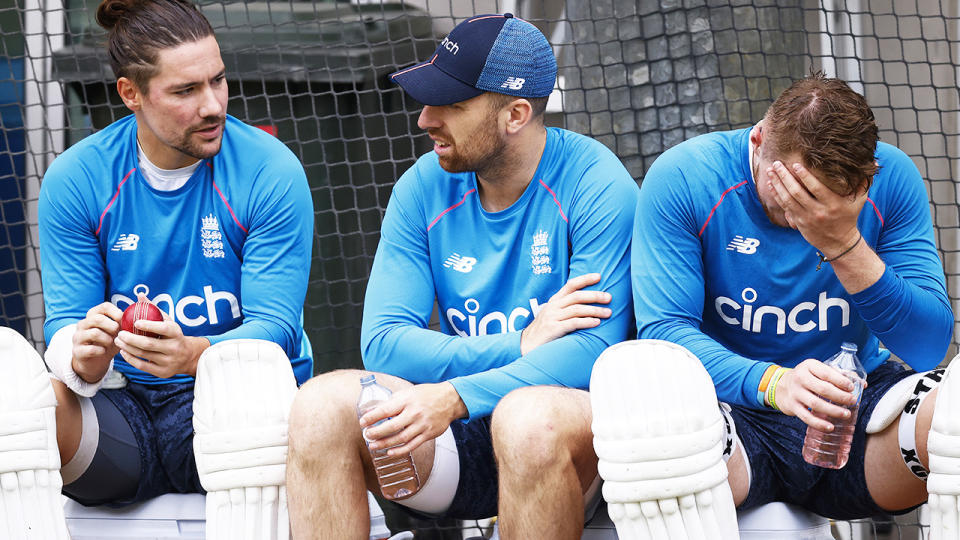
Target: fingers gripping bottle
{"type": "Point", "coordinates": [832, 449]}
{"type": "Point", "coordinates": [397, 475]}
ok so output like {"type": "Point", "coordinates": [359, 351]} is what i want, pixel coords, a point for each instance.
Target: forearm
{"type": "Point", "coordinates": [420, 355]}
{"type": "Point", "coordinates": [893, 301]}
{"type": "Point", "coordinates": [90, 372]}
{"type": "Point", "coordinates": [858, 268]}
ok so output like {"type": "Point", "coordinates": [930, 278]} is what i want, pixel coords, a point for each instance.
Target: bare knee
{"type": "Point", "coordinates": [324, 413]}
{"type": "Point", "coordinates": [536, 428]}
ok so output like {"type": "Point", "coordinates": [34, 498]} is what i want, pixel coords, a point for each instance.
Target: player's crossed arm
{"type": "Point", "coordinates": [570, 309]}
{"type": "Point", "coordinates": [420, 413]}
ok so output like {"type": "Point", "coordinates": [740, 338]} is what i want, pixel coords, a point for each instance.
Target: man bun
{"type": "Point", "coordinates": [110, 12]}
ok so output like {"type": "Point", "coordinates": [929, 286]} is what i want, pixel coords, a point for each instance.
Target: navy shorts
{"type": "Point", "coordinates": [476, 496]}
{"type": "Point", "coordinates": [159, 420]}
{"type": "Point", "coordinates": [773, 441]}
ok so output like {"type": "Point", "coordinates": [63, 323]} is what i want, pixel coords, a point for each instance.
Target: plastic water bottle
{"type": "Point", "coordinates": [397, 475]}
{"type": "Point", "coordinates": [832, 449]}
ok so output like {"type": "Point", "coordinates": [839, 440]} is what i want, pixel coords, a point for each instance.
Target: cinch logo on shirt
{"type": "Point", "coordinates": [190, 310]}
{"type": "Point", "coordinates": [804, 317]}
{"type": "Point", "coordinates": [743, 245]}
{"type": "Point", "coordinates": [481, 326]}
{"type": "Point", "coordinates": [127, 242]}
{"type": "Point", "coordinates": [513, 83]}
{"type": "Point", "coordinates": [460, 263]}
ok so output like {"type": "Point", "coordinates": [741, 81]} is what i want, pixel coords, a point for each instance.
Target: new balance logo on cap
{"type": "Point", "coordinates": [743, 245]}
{"type": "Point", "coordinates": [513, 83]}
{"type": "Point", "coordinates": [485, 53]}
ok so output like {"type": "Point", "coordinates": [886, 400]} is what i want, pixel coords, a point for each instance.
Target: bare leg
{"type": "Point", "coordinates": [891, 484]}
{"type": "Point", "coordinates": [545, 458]}
{"type": "Point", "coordinates": [328, 467]}
{"type": "Point", "coordinates": [69, 421]}
{"type": "Point", "coordinates": [737, 476]}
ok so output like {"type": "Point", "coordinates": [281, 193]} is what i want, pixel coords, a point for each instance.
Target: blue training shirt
{"type": "Point", "coordinates": [227, 255]}
{"type": "Point", "coordinates": [491, 271]}
{"type": "Point", "coordinates": [713, 274]}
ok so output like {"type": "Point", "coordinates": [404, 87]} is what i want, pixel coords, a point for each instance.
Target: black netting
{"type": "Point", "coordinates": [639, 75]}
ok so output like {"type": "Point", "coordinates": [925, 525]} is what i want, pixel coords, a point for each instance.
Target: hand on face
{"type": "Point", "coordinates": [826, 220]}
{"type": "Point", "coordinates": [416, 415]}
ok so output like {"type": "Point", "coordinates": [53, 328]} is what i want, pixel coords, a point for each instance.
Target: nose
{"type": "Point", "coordinates": [429, 118]}
{"type": "Point", "coordinates": [211, 105]}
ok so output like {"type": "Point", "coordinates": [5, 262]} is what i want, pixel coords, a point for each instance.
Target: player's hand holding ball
{"type": "Point", "coordinates": [153, 342]}
{"type": "Point", "coordinates": [142, 309]}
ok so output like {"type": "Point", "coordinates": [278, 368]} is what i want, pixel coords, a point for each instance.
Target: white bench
{"type": "Point", "coordinates": [167, 517]}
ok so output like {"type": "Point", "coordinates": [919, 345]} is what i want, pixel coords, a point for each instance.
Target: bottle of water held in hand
{"type": "Point", "coordinates": [397, 475]}
{"type": "Point", "coordinates": [832, 449]}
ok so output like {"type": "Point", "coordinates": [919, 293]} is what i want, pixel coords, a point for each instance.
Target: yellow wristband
{"type": "Point", "coordinates": [772, 388]}
{"type": "Point", "coordinates": [764, 384]}
{"type": "Point", "coordinates": [767, 375]}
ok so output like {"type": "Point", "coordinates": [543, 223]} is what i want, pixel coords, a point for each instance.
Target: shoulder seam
{"type": "Point", "coordinates": [715, 206]}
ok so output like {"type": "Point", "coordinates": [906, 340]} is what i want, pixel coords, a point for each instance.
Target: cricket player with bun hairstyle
{"type": "Point", "coordinates": [521, 235]}
{"type": "Point", "coordinates": [208, 218]}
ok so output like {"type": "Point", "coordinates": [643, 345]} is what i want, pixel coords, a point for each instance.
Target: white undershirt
{"type": "Point", "coordinates": [164, 179]}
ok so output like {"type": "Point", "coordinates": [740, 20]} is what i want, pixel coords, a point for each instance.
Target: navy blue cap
{"type": "Point", "coordinates": [486, 53]}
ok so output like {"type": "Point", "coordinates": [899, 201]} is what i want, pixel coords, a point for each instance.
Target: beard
{"type": "Point", "coordinates": [187, 145]}
{"type": "Point", "coordinates": [483, 151]}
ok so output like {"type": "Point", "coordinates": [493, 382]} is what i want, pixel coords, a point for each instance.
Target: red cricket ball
{"type": "Point", "coordinates": [140, 310]}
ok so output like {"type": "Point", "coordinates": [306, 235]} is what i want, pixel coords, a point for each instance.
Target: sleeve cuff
{"type": "Point", "coordinates": [59, 359]}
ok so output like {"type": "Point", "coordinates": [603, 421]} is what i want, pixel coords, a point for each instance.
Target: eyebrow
{"type": "Point", "coordinates": [188, 84]}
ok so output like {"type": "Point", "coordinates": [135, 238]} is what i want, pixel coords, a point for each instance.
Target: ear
{"type": "Point", "coordinates": [130, 94]}
{"type": "Point", "coordinates": [756, 134]}
{"type": "Point", "coordinates": [519, 114]}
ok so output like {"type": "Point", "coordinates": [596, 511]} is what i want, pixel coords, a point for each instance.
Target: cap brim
{"type": "Point", "coordinates": [430, 85]}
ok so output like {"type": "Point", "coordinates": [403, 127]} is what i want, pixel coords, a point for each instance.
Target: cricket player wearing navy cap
{"type": "Point", "coordinates": [521, 235]}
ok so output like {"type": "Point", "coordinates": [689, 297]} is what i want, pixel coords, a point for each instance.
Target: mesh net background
{"type": "Point", "coordinates": [638, 75]}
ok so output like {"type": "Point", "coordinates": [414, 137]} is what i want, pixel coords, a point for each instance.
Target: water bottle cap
{"type": "Point", "coordinates": [850, 347]}
{"type": "Point", "coordinates": [367, 379]}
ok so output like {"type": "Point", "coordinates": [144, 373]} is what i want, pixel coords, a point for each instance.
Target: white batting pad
{"type": "Point", "coordinates": [658, 433]}
{"type": "Point", "coordinates": [30, 502]}
{"type": "Point", "coordinates": [943, 446]}
{"type": "Point", "coordinates": [241, 406]}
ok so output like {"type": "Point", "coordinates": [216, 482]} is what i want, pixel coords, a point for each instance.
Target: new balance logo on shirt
{"type": "Point", "coordinates": [126, 242]}
{"type": "Point", "coordinates": [743, 245]}
{"type": "Point", "coordinates": [513, 83]}
{"type": "Point", "coordinates": [460, 263]}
